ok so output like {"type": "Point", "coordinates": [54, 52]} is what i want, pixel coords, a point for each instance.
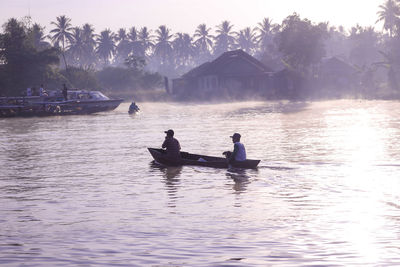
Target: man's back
{"type": "Point", "coordinates": [172, 146]}
{"type": "Point", "coordinates": [239, 152]}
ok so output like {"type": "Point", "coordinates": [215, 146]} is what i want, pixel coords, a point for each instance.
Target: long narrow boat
{"type": "Point", "coordinates": [159, 155]}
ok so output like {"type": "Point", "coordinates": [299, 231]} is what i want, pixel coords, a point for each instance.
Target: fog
{"type": "Point", "coordinates": [296, 58]}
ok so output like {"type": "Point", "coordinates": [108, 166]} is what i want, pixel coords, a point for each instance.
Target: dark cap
{"type": "Point", "coordinates": [236, 135]}
{"type": "Point", "coordinates": [170, 132]}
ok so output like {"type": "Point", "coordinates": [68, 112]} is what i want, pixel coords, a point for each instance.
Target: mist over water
{"type": "Point", "coordinates": [83, 189]}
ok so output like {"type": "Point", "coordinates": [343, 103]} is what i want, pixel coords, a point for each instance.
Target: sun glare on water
{"type": "Point", "coordinates": [360, 141]}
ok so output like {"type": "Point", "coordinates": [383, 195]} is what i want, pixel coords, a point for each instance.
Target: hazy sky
{"type": "Point", "coordinates": [186, 15]}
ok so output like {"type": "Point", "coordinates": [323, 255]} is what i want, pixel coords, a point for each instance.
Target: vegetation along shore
{"type": "Point", "coordinates": [316, 60]}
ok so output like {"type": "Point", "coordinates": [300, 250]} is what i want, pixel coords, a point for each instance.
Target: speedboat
{"type": "Point", "coordinates": [77, 102]}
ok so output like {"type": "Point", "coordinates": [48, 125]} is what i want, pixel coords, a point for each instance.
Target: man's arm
{"type": "Point", "coordinates": [233, 155]}
{"type": "Point", "coordinates": [164, 145]}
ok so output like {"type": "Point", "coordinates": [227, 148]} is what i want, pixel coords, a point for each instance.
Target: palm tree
{"type": "Point", "coordinates": [224, 38]}
{"type": "Point", "coordinates": [146, 42]}
{"type": "Point", "coordinates": [134, 43]}
{"type": "Point", "coordinates": [62, 33]}
{"type": "Point", "coordinates": [265, 36]}
{"type": "Point", "coordinates": [121, 35]}
{"type": "Point", "coordinates": [38, 37]}
{"type": "Point", "coordinates": [246, 40]}
{"type": "Point", "coordinates": [106, 45]}
{"type": "Point", "coordinates": [133, 34]}
{"type": "Point", "coordinates": [77, 47]}
{"type": "Point", "coordinates": [163, 46]}
{"type": "Point", "coordinates": [389, 14]}
{"type": "Point", "coordinates": [123, 46]}
{"type": "Point", "coordinates": [183, 49]}
{"type": "Point", "coordinates": [89, 42]}
{"type": "Point", "coordinates": [204, 39]}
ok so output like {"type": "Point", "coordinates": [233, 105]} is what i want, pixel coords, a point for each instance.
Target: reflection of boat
{"type": "Point", "coordinates": [159, 155]}
{"type": "Point", "coordinates": [79, 102]}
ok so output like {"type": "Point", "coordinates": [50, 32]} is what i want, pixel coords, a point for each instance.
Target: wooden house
{"type": "Point", "coordinates": [235, 74]}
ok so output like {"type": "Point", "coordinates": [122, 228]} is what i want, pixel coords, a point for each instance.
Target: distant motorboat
{"type": "Point", "coordinates": [77, 102]}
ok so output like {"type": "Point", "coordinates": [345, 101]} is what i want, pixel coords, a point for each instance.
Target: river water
{"type": "Point", "coordinates": [82, 190]}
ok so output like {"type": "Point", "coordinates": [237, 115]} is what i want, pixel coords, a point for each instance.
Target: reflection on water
{"type": "Point", "coordinates": [171, 179]}
{"type": "Point", "coordinates": [82, 190]}
{"type": "Point", "coordinates": [240, 178]}
{"type": "Point", "coordinates": [169, 172]}
{"type": "Point", "coordinates": [283, 107]}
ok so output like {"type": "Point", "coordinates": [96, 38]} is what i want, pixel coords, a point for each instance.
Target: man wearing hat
{"type": "Point", "coordinates": [172, 146]}
{"type": "Point", "coordinates": [239, 152]}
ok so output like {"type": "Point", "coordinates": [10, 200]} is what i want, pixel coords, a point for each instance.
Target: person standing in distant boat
{"type": "Point", "coordinates": [42, 92]}
{"type": "Point", "coordinates": [239, 151]}
{"type": "Point", "coordinates": [65, 92]}
{"type": "Point", "coordinates": [172, 146]}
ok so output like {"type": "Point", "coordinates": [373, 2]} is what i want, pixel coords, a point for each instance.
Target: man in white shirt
{"type": "Point", "coordinates": [42, 92]}
{"type": "Point", "coordinates": [239, 151]}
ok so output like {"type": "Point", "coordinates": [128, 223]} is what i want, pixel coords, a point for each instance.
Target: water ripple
{"type": "Point", "coordinates": [83, 190]}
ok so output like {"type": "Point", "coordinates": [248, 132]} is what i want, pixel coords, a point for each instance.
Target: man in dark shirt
{"type": "Point", "coordinates": [65, 92]}
{"type": "Point", "coordinates": [172, 146]}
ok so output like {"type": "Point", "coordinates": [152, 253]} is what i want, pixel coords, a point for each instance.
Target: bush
{"type": "Point", "coordinates": [80, 78]}
{"type": "Point", "coordinates": [127, 79]}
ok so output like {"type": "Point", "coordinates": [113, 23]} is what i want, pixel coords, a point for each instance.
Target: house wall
{"type": "Point", "coordinates": [207, 83]}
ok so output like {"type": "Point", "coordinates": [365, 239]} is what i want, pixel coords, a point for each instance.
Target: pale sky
{"type": "Point", "coordinates": [186, 15]}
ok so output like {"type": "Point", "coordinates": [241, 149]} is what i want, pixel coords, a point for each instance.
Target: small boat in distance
{"type": "Point", "coordinates": [133, 108]}
{"type": "Point", "coordinates": [78, 102]}
{"type": "Point", "coordinates": [159, 156]}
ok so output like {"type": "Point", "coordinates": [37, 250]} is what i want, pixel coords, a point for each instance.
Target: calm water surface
{"type": "Point", "coordinates": [82, 190]}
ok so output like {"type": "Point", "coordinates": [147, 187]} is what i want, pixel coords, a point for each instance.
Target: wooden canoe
{"type": "Point", "coordinates": [159, 155]}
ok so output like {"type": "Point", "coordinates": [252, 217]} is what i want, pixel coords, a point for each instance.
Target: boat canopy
{"type": "Point", "coordinates": [86, 95]}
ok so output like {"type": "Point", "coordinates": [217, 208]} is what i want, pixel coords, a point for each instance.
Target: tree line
{"type": "Point", "coordinates": [142, 56]}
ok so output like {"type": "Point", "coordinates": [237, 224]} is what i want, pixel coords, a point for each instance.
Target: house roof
{"type": "Point", "coordinates": [334, 64]}
{"type": "Point", "coordinates": [220, 64]}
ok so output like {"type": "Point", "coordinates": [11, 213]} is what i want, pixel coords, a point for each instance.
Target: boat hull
{"type": "Point", "coordinates": [160, 156]}
{"type": "Point", "coordinates": [72, 107]}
